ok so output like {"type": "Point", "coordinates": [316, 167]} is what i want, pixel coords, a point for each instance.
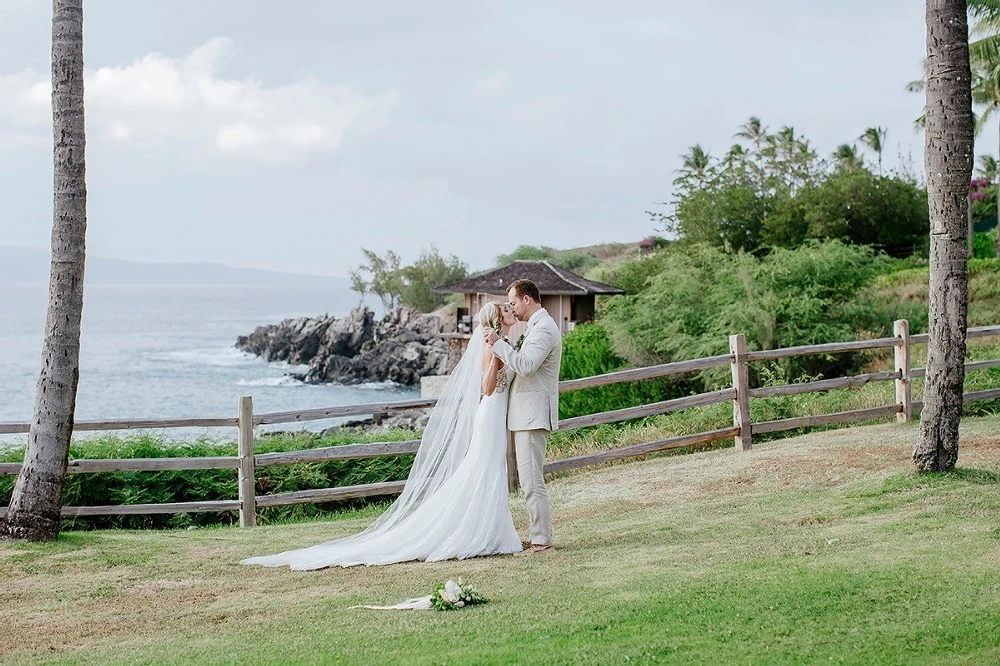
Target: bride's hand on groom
{"type": "Point", "coordinates": [491, 337]}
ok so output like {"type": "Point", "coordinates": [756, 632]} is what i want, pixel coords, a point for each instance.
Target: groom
{"type": "Point", "coordinates": [533, 410]}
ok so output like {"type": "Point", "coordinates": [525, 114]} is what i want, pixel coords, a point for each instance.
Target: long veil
{"type": "Point", "coordinates": [444, 444]}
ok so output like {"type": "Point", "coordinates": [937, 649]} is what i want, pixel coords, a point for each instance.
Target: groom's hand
{"type": "Point", "coordinates": [491, 336]}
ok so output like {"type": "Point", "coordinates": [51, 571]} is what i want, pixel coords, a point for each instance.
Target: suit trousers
{"type": "Point", "coordinates": [530, 448]}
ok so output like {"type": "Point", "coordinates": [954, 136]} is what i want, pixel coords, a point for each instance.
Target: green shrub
{"type": "Point", "coordinates": [587, 351]}
{"type": "Point", "coordinates": [695, 296]}
{"type": "Point", "coordinates": [984, 244]}
{"type": "Point", "coordinates": [860, 207]}
{"type": "Point", "coordinates": [91, 489]}
{"type": "Point", "coordinates": [775, 190]}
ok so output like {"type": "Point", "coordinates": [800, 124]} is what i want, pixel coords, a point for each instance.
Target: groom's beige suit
{"type": "Point", "coordinates": [533, 412]}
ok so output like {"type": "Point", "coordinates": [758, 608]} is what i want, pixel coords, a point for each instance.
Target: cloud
{"type": "Point", "coordinates": [157, 100]}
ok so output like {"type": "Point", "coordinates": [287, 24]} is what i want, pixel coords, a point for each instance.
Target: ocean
{"type": "Point", "coordinates": [167, 352]}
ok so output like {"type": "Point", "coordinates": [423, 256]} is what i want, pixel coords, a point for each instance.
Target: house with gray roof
{"type": "Point", "coordinates": [569, 298]}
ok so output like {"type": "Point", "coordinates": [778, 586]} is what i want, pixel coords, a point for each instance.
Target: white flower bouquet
{"type": "Point", "coordinates": [451, 595]}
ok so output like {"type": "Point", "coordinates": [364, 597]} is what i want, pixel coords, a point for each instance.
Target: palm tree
{"type": "Point", "coordinates": [984, 55]}
{"type": "Point", "coordinates": [847, 157]}
{"type": "Point", "coordinates": [695, 165]}
{"type": "Point", "coordinates": [753, 131]}
{"type": "Point", "coordinates": [37, 499]}
{"type": "Point", "coordinates": [874, 138]}
{"type": "Point", "coordinates": [948, 166]}
{"type": "Point", "coordinates": [988, 167]}
{"type": "Point", "coordinates": [985, 45]}
{"type": "Point", "coordinates": [986, 96]}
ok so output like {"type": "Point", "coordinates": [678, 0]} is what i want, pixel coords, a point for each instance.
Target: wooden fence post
{"type": "Point", "coordinates": [512, 482]}
{"type": "Point", "coordinates": [248, 498]}
{"type": "Point", "coordinates": [904, 398]}
{"type": "Point", "coordinates": [741, 385]}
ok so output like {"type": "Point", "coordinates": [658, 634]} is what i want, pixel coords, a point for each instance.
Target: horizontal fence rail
{"type": "Point", "coordinates": [331, 494]}
{"type": "Point", "coordinates": [84, 465]}
{"type": "Point", "coordinates": [347, 410]}
{"type": "Point", "coordinates": [629, 413]}
{"type": "Point", "coordinates": [144, 509]}
{"type": "Point", "coordinates": [856, 381]}
{"type": "Point", "coordinates": [823, 419]}
{"type": "Point", "coordinates": [679, 442]}
{"type": "Point", "coordinates": [970, 333]}
{"type": "Point", "coordinates": [969, 367]}
{"type": "Point", "coordinates": [651, 372]}
{"type": "Point", "coordinates": [825, 348]}
{"type": "Point", "coordinates": [739, 395]}
{"type": "Point", "coordinates": [345, 452]}
{"type": "Point", "coordinates": [18, 428]}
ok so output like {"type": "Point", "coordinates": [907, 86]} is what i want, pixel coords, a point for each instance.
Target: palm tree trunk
{"type": "Point", "coordinates": [970, 227]}
{"type": "Point", "coordinates": [996, 176]}
{"type": "Point", "coordinates": [948, 164]}
{"type": "Point", "coordinates": [37, 498]}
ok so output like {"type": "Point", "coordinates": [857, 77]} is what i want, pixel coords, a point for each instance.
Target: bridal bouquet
{"type": "Point", "coordinates": [447, 596]}
{"type": "Point", "coordinates": [452, 595]}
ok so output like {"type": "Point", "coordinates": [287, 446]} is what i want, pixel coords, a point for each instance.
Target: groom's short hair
{"type": "Point", "coordinates": [524, 288]}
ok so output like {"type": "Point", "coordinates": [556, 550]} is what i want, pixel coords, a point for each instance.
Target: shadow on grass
{"type": "Point", "coordinates": [910, 481]}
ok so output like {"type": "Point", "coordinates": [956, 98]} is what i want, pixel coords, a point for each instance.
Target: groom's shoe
{"type": "Point", "coordinates": [537, 548]}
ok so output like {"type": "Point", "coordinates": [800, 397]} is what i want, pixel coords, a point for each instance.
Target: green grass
{"type": "Point", "coordinates": [817, 549]}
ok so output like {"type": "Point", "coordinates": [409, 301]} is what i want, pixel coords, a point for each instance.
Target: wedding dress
{"type": "Point", "coordinates": [455, 503]}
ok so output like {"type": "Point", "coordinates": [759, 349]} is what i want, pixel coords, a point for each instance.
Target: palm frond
{"type": "Point", "coordinates": [984, 10]}
{"type": "Point", "coordinates": [987, 167]}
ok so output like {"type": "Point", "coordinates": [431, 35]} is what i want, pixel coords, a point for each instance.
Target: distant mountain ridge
{"type": "Point", "coordinates": [28, 264]}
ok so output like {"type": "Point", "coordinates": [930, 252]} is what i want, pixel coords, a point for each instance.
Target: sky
{"type": "Point", "coordinates": [287, 136]}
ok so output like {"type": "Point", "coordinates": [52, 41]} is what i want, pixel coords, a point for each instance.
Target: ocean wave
{"type": "Point", "coordinates": [272, 381]}
{"type": "Point", "coordinates": [285, 365]}
{"type": "Point", "coordinates": [217, 356]}
{"type": "Point", "coordinates": [377, 386]}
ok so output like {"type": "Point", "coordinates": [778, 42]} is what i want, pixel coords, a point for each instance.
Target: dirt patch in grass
{"type": "Point", "coordinates": [981, 445]}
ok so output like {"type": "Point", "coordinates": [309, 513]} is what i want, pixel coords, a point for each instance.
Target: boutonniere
{"type": "Point", "coordinates": [515, 345]}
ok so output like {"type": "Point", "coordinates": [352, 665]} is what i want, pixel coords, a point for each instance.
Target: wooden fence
{"type": "Point", "coordinates": [739, 394]}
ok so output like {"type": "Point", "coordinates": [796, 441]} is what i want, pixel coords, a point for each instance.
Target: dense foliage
{"type": "Point", "coordinates": [215, 484]}
{"type": "Point", "coordinates": [410, 285]}
{"type": "Point", "coordinates": [684, 303]}
{"type": "Point", "coordinates": [984, 244]}
{"type": "Point", "coordinates": [773, 189]}
{"type": "Point", "coordinates": [587, 351]}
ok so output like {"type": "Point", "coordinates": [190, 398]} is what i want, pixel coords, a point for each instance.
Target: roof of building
{"type": "Point", "coordinates": [550, 280]}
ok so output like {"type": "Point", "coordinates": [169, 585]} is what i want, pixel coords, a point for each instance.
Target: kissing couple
{"type": "Point", "coordinates": [455, 503]}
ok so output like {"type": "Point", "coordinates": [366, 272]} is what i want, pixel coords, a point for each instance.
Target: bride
{"type": "Point", "coordinates": [455, 503]}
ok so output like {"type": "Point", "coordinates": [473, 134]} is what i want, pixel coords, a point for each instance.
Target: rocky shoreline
{"type": "Point", "coordinates": [402, 347]}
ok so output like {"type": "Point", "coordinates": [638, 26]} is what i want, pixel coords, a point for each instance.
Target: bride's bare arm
{"type": "Point", "coordinates": [491, 366]}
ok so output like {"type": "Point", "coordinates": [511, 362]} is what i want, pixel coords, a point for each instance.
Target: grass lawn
{"type": "Point", "coordinates": [816, 549]}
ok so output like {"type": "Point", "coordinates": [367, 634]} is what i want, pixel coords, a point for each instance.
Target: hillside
{"type": "Point", "coordinates": [818, 549]}
{"type": "Point", "coordinates": [911, 285]}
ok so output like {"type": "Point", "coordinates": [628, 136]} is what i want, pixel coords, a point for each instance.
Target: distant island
{"type": "Point", "coordinates": [28, 264]}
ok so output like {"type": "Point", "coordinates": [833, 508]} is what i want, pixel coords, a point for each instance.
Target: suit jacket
{"type": "Point", "coordinates": [534, 391]}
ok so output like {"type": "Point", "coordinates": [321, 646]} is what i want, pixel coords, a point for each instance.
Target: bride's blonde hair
{"type": "Point", "coordinates": [491, 316]}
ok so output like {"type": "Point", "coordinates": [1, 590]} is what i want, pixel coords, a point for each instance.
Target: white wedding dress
{"type": "Point", "coordinates": [455, 503]}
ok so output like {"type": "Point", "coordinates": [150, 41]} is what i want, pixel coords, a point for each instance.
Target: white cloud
{"type": "Point", "coordinates": [156, 99]}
